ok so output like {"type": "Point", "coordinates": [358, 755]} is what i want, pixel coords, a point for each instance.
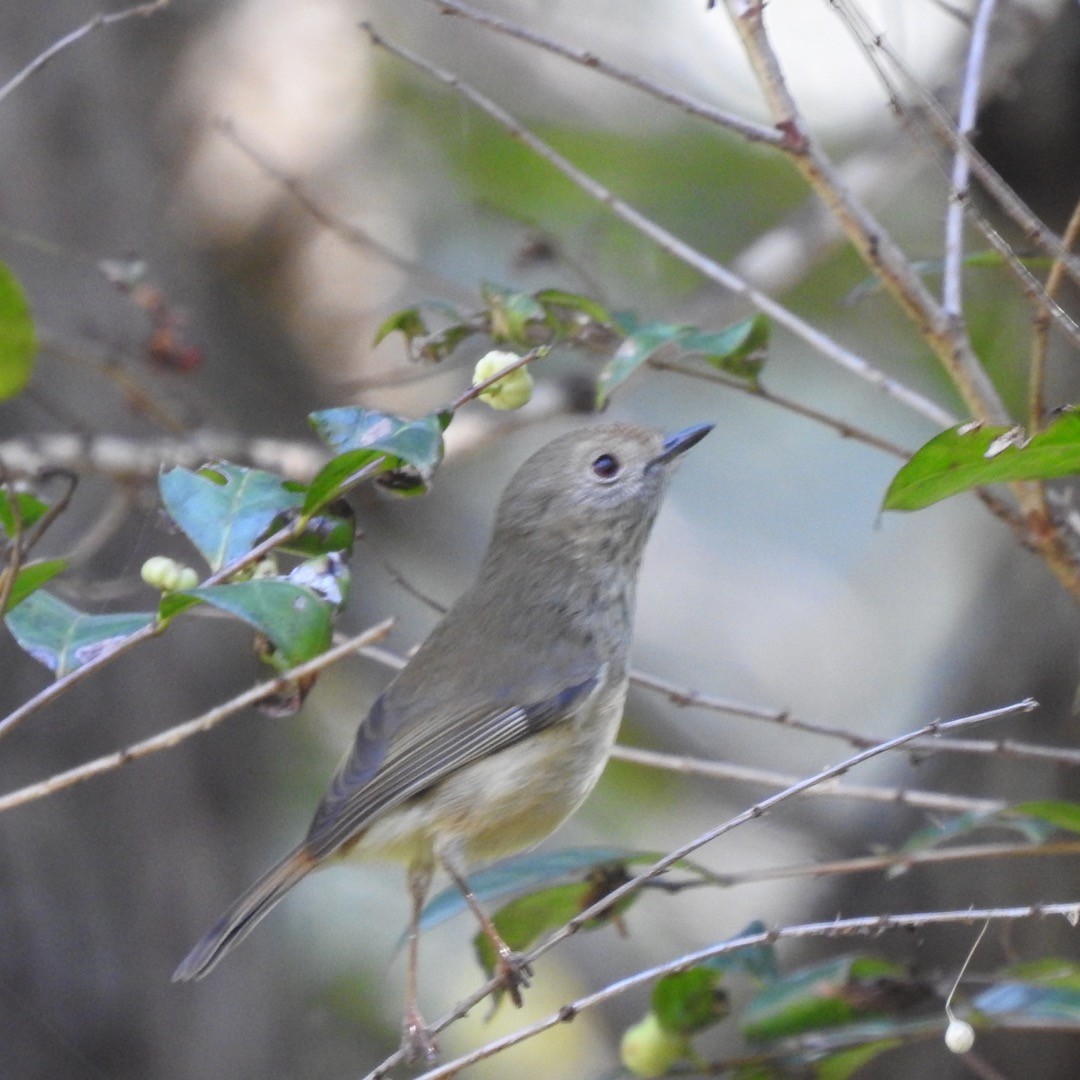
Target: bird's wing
{"type": "Point", "coordinates": [381, 773]}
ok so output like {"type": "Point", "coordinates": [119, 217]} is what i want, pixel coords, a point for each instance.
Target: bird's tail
{"type": "Point", "coordinates": [241, 918]}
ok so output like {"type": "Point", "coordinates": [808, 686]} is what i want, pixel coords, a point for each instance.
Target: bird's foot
{"type": "Point", "coordinates": [418, 1043]}
{"type": "Point", "coordinates": [514, 973]}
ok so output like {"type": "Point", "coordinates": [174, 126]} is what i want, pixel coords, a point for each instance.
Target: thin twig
{"type": "Point", "coordinates": [952, 278]}
{"type": "Point", "coordinates": [725, 770]}
{"type": "Point", "coordinates": [166, 740]}
{"type": "Point", "coordinates": [672, 245]}
{"type": "Point", "coordinates": [862, 926]}
{"type": "Point", "coordinates": [901, 861]}
{"type": "Point", "coordinates": [754, 133]}
{"type": "Point", "coordinates": [685, 697]}
{"type": "Point", "coordinates": [1041, 338]}
{"type": "Point", "coordinates": [758, 810]}
{"type": "Point", "coordinates": [99, 20]}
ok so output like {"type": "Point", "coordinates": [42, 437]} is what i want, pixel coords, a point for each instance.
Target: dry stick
{"type": "Point", "coordinates": [952, 282]}
{"type": "Point", "coordinates": [862, 926]}
{"type": "Point", "coordinates": [101, 19]}
{"type": "Point", "coordinates": [166, 740]}
{"type": "Point", "coordinates": [866, 234]}
{"type": "Point", "coordinates": [1036, 402]}
{"type": "Point", "coordinates": [1034, 230]}
{"type": "Point", "coordinates": [998, 747]}
{"type": "Point", "coordinates": [671, 244]}
{"type": "Point", "coordinates": [724, 770]}
{"type": "Point", "coordinates": [751, 132]}
{"type": "Point", "coordinates": [758, 810]}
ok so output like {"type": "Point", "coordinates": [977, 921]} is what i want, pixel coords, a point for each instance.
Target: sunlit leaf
{"type": "Point", "coordinates": [402, 448]}
{"type": "Point", "coordinates": [20, 510]}
{"type": "Point", "coordinates": [30, 578]}
{"type": "Point", "coordinates": [1062, 815]}
{"type": "Point", "coordinates": [970, 456]}
{"type": "Point", "coordinates": [18, 342]}
{"type": "Point", "coordinates": [224, 509]}
{"type": "Point", "coordinates": [408, 322]}
{"type": "Point", "coordinates": [63, 638]}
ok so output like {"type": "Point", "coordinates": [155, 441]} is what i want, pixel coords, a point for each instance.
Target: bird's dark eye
{"type": "Point", "coordinates": [606, 467]}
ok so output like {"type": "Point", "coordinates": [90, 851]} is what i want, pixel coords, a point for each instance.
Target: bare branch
{"type": "Point", "coordinates": [751, 132]}
{"type": "Point", "coordinates": [210, 719]}
{"type": "Point", "coordinates": [952, 295]}
{"type": "Point", "coordinates": [57, 47]}
{"type": "Point", "coordinates": [725, 770]}
{"type": "Point", "coordinates": [864, 926]}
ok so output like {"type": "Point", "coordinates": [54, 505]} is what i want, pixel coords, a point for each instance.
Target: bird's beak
{"type": "Point", "coordinates": [676, 444]}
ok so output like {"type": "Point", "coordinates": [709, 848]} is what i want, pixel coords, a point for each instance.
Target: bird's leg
{"type": "Point", "coordinates": [418, 1042]}
{"type": "Point", "coordinates": [513, 970]}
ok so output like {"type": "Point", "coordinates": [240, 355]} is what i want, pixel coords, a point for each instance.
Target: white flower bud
{"type": "Point", "coordinates": [959, 1036]}
{"type": "Point", "coordinates": [167, 575]}
{"type": "Point", "coordinates": [510, 392]}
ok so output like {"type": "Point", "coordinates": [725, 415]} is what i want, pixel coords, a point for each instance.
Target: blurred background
{"type": "Point", "coordinates": [158, 146]}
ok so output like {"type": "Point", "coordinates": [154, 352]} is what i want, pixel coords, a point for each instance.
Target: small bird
{"type": "Point", "coordinates": [499, 726]}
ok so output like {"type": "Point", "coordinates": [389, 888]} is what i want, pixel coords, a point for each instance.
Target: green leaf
{"type": "Point", "coordinates": [557, 299]}
{"type": "Point", "coordinates": [1045, 971]}
{"type": "Point", "coordinates": [689, 1001]}
{"type": "Point", "coordinates": [757, 961]}
{"type": "Point", "coordinates": [18, 342]}
{"type": "Point", "coordinates": [642, 343]}
{"type": "Point", "coordinates": [363, 436]}
{"type": "Point", "coordinates": [1062, 815]}
{"type": "Point", "coordinates": [63, 638]}
{"type": "Point", "coordinates": [738, 350]}
{"type": "Point", "coordinates": [824, 995]}
{"type": "Point", "coordinates": [30, 578]}
{"type": "Point", "coordinates": [524, 921]}
{"type": "Point", "coordinates": [971, 456]}
{"type": "Point", "coordinates": [408, 322]}
{"type": "Point", "coordinates": [846, 1063]}
{"type": "Point", "coordinates": [510, 315]}
{"type": "Point", "coordinates": [20, 507]}
{"type": "Point", "coordinates": [296, 620]}
{"type": "Point", "coordinates": [224, 509]}
{"type": "Point", "coordinates": [520, 873]}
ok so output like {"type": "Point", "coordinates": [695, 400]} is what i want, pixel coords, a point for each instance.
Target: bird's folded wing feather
{"type": "Point", "coordinates": [375, 778]}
